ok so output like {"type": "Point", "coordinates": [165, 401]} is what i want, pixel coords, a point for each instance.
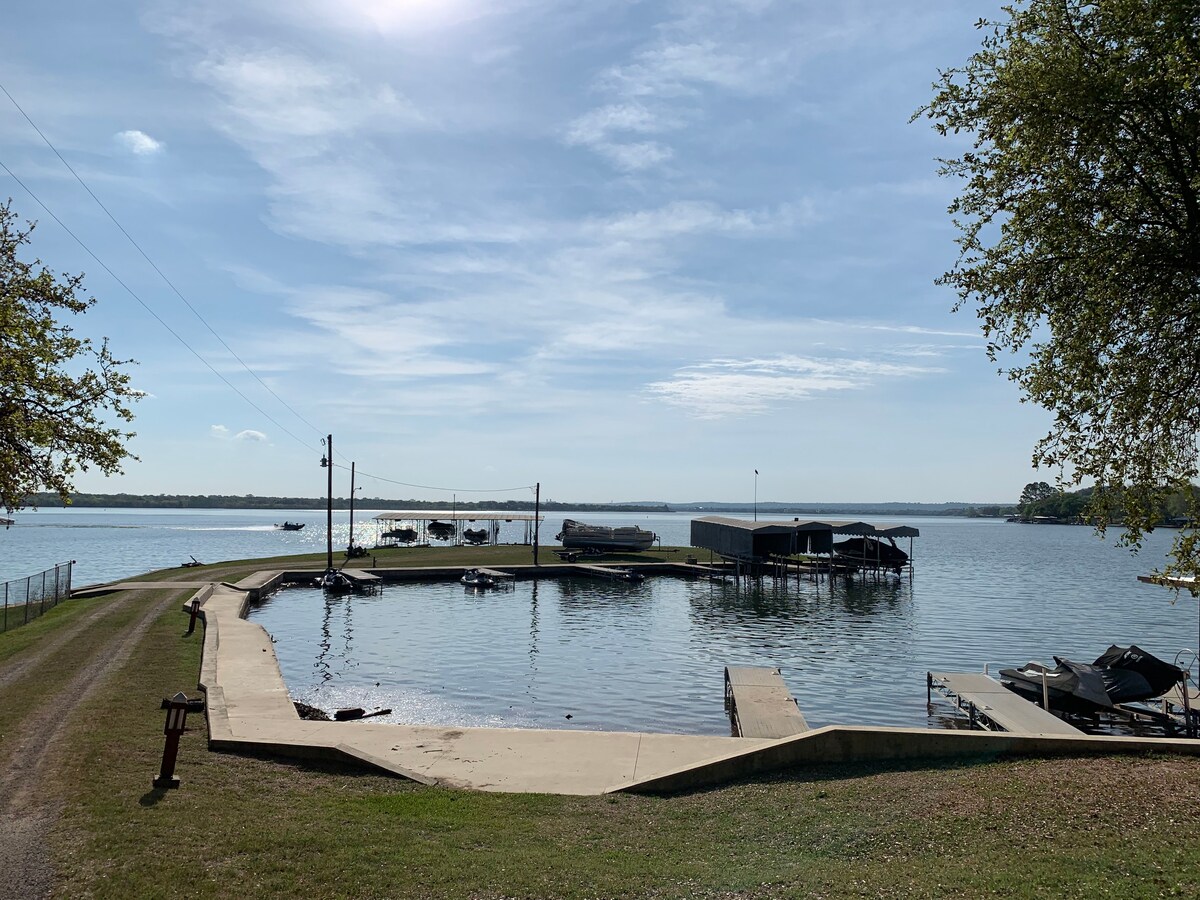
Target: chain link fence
{"type": "Point", "coordinates": [27, 598]}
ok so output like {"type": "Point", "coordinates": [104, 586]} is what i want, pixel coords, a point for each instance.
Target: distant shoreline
{"type": "Point", "coordinates": [772, 508]}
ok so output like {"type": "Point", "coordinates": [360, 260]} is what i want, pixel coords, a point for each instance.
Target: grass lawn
{"type": "Point", "coordinates": [243, 826]}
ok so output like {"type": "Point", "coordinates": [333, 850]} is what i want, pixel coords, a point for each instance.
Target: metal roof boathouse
{"type": "Point", "coordinates": [756, 544]}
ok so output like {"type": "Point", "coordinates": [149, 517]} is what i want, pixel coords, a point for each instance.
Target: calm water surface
{"type": "Point", "coordinates": [651, 656]}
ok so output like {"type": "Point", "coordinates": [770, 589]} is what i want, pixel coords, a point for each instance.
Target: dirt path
{"type": "Point", "coordinates": [27, 800]}
{"type": "Point", "coordinates": [14, 670]}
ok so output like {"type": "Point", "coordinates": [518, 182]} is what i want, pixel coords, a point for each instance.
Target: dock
{"type": "Point", "coordinates": [990, 705]}
{"type": "Point", "coordinates": [495, 573]}
{"type": "Point", "coordinates": [613, 574]}
{"type": "Point", "coordinates": [760, 705]}
{"type": "Point", "coordinates": [362, 580]}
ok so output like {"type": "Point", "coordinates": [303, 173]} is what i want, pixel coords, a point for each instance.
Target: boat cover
{"type": "Point", "coordinates": [1119, 675]}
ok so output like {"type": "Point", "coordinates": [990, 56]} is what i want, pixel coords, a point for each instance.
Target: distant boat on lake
{"type": "Point", "coordinates": [289, 526]}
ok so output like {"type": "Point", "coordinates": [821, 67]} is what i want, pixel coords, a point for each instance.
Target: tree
{"type": "Point", "coordinates": [1035, 491]}
{"type": "Point", "coordinates": [58, 392]}
{"type": "Point", "coordinates": [1079, 236]}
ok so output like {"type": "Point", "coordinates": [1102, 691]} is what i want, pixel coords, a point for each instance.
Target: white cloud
{"type": "Point", "coordinates": [139, 143]}
{"type": "Point", "coordinates": [598, 125]}
{"type": "Point", "coordinates": [682, 69]}
{"type": "Point", "coordinates": [250, 435]}
{"type": "Point", "coordinates": [687, 217]}
{"type": "Point", "coordinates": [726, 387]}
{"type": "Point", "coordinates": [276, 97]}
{"type": "Point", "coordinates": [219, 431]}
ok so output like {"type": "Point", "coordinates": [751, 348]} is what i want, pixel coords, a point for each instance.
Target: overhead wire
{"type": "Point", "coordinates": [145, 306]}
{"type": "Point", "coordinates": [197, 314]}
{"type": "Point", "coordinates": [151, 262]}
{"type": "Point", "coordinates": [447, 490]}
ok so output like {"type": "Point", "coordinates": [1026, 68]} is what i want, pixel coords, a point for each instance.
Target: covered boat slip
{"type": "Point", "coordinates": [394, 527]}
{"type": "Point", "coordinates": [991, 705]}
{"type": "Point", "coordinates": [757, 543]}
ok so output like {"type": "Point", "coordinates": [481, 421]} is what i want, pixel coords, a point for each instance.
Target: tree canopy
{"type": "Point", "coordinates": [59, 394]}
{"type": "Point", "coordinates": [1079, 236]}
{"type": "Point", "coordinates": [1035, 491]}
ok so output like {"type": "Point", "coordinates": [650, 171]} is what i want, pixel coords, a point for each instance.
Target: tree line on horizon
{"type": "Point", "coordinates": [251, 501]}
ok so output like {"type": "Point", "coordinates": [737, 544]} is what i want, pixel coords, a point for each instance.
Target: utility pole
{"type": "Point", "coordinates": [537, 503]}
{"type": "Point", "coordinates": [351, 547]}
{"type": "Point", "coordinates": [327, 461]}
{"type": "Point", "coordinates": [756, 495]}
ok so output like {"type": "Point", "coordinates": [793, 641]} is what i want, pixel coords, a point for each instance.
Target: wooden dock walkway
{"type": "Point", "coordinates": [609, 572]}
{"type": "Point", "coordinates": [362, 579]}
{"type": "Point", "coordinates": [495, 573]}
{"type": "Point", "coordinates": [985, 698]}
{"type": "Point", "coordinates": [760, 705]}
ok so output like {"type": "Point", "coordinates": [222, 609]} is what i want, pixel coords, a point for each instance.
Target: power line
{"type": "Point", "coordinates": [197, 314]}
{"type": "Point", "coordinates": [446, 490]}
{"type": "Point", "coordinates": [146, 307]}
{"type": "Point", "coordinates": [152, 264]}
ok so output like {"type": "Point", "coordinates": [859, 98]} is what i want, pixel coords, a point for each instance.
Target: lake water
{"type": "Point", "coordinates": [651, 656]}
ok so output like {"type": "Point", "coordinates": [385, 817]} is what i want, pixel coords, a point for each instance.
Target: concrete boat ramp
{"type": "Point", "coordinates": [249, 709]}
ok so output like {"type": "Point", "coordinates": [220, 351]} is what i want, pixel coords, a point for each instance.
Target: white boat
{"type": "Point", "coordinates": [601, 537]}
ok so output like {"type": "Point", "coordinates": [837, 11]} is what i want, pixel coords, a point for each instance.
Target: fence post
{"type": "Point", "coordinates": [43, 612]}
{"type": "Point", "coordinates": [27, 583]}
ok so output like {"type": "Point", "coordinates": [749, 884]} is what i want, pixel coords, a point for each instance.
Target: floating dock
{"type": "Point", "coordinates": [495, 573]}
{"type": "Point", "coordinates": [760, 705]}
{"type": "Point", "coordinates": [363, 581]}
{"type": "Point", "coordinates": [990, 705]}
{"type": "Point", "coordinates": [612, 574]}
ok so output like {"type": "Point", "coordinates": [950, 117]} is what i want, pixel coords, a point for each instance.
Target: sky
{"type": "Point", "coordinates": [626, 250]}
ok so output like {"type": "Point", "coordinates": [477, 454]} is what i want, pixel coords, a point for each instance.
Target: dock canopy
{"type": "Point", "coordinates": [441, 515]}
{"type": "Point", "coordinates": [744, 539]}
{"type": "Point", "coordinates": [417, 526]}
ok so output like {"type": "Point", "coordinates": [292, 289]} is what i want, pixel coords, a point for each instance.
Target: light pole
{"type": "Point", "coordinates": [756, 495]}
{"type": "Point", "coordinates": [327, 462]}
{"type": "Point", "coordinates": [351, 545]}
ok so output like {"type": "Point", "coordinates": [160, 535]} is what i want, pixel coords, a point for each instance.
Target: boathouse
{"type": "Point", "coordinates": [740, 539]}
{"type": "Point", "coordinates": [756, 542]}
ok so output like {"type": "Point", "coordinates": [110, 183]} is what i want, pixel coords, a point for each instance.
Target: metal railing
{"type": "Point", "coordinates": [27, 598]}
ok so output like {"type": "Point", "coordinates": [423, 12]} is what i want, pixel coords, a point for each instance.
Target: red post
{"type": "Point", "coordinates": [176, 708]}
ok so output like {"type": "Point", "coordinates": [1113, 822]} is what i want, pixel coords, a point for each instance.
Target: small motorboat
{"type": "Point", "coordinates": [867, 551]}
{"type": "Point", "coordinates": [475, 535]}
{"type": "Point", "coordinates": [289, 526]}
{"type": "Point", "coordinates": [440, 531]}
{"type": "Point", "coordinates": [403, 535]}
{"type": "Point", "coordinates": [335, 582]}
{"type": "Point", "coordinates": [477, 579]}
